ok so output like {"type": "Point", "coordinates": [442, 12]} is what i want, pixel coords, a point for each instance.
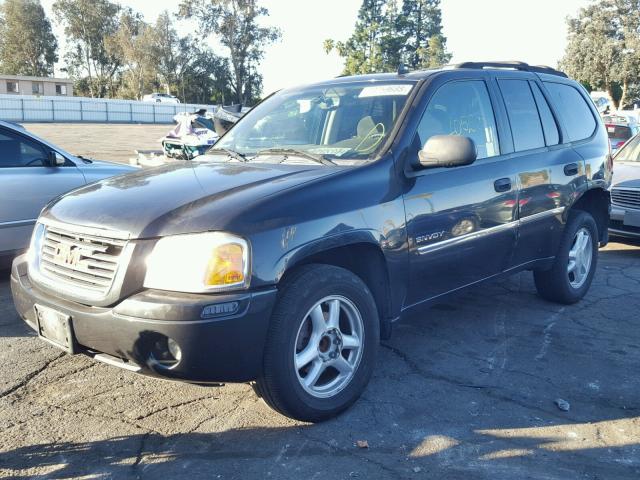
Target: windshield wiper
{"type": "Point", "coordinates": [232, 153]}
{"type": "Point", "coordinates": [300, 153]}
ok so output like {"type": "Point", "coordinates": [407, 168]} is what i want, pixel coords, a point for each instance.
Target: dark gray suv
{"type": "Point", "coordinates": [327, 213]}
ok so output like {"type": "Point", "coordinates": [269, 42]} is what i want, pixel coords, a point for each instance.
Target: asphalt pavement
{"type": "Point", "coordinates": [464, 390]}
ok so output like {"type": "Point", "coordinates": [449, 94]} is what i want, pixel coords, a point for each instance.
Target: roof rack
{"type": "Point", "coordinates": [512, 65]}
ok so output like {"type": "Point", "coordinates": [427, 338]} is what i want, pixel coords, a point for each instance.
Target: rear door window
{"type": "Point", "coordinates": [549, 126]}
{"type": "Point", "coordinates": [574, 110]}
{"type": "Point", "coordinates": [462, 108]}
{"type": "Point", "coordinates": [523, 114]}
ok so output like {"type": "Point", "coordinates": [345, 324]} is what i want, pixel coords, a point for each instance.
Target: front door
{"type": "Point", "coordinates": [27, 185]}
{"type": "Point", "coordinates": [461, 221]}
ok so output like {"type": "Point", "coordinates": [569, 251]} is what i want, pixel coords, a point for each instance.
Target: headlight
{"type": "Point", "coordinates": [35, 247]}
{"type": "Point", "coordinates": [200, 262]}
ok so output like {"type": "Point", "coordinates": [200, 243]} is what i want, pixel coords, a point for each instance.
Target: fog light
{"type": "Point", "coordinates": [174, 349]}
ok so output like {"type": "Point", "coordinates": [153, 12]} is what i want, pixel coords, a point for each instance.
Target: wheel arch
{"type": "Point", "coordinates": [595, 201]}
{"type": "Point", "coordinates": [363, 258]}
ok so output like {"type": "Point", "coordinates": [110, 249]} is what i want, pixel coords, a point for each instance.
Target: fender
{"type": "Point", "coordinates": [394, 260]}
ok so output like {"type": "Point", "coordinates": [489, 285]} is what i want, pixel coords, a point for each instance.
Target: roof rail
{"type": "Point", "coordinates": [512, 65]}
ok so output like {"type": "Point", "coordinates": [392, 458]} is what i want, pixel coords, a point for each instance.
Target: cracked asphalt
{"type": "Point", "coordinates": [463, 390]}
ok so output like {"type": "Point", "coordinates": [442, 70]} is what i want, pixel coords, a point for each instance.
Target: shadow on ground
{"type": "Point", "coordinates": [554, 451]}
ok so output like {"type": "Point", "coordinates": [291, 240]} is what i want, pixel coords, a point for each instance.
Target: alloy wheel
{"type": "Point", "coordinates": [580, 258]}
{"type": "Point", "coordinates": [329, 346]}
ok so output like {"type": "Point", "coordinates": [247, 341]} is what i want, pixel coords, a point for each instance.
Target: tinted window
{"type": "Point", "coordinates": [16, 151]}
{"type": "Point", "coordinates": [574, 110]}
{"type": "Point", "coordinates": [462, 108]}
{"type": "Point", "coordinates": [523, 114]}
{"type": "Point", "coordinates": [549, 126]}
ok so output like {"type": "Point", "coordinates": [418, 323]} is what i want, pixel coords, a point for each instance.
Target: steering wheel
{"type": "Point", "coordinates": [371, 140]}
{"type": "Point", "coordinates": [35, 160]}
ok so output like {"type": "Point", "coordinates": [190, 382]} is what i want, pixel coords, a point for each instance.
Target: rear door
{"type": "Point", "coordinates": [461, 220]}
{"type": "Point", "coordinates": [27, 184]}
{"type": "Point", "coordinates": [548, 171]}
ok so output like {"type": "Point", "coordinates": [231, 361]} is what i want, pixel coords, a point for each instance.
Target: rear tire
{"type": "Point", "coordinates": [570, 277]}
{"type": "Point", "coordinates": [322, 344]}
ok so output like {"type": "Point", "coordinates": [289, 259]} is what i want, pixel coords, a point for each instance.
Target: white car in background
{"type": "Point", "coordinates": [160, 98]}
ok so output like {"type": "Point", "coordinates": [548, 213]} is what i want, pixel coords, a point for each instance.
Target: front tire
{"type": "Point", "coordinates": [570, 277]}
{"type": "Point", "coordinates": [322, 344]}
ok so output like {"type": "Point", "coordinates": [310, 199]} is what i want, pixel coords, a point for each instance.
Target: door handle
{"type": "Point", "coordinates": [571, 169]}
{"type": "Point", "coordinates": [502, 185]}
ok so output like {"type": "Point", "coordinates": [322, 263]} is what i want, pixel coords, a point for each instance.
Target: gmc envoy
{"type": "Point", "coordinates": [284, 254]}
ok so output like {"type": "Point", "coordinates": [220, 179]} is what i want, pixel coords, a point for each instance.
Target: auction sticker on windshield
{"type": "Point", "coordinates": [385, 90]}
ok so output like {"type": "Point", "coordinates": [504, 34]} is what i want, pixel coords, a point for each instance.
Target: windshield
{"type": "Point", "coordinates": [630, 152]}
{"type": "Point", "coordinates": [342, 121]}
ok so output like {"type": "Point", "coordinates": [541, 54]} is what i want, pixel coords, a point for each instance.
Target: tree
{"type": "Point", "coordinates": [386, 36]}
{"type": "Point", "coordinates": [422, 30]}
{"type": "Point", "coordinates": [362, 51]}
{"type": "Point", "coordinates": [603, 48]}
{"type": "Point", "coordinates": [235, 22]}
{"type": "Point", "coordinates": [188, 69]}
{"type": "Point", "coordinates": [89, 26]}
{"type": "Point", "coordinates": [27, 44]}
{"type": "Point", "coordinates": [135, 44]}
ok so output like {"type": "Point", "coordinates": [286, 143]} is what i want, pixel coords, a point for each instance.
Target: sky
{"type": "Point", "coordinates": [530, 31]}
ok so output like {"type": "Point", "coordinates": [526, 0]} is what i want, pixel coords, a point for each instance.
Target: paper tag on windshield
{"type": "Point", "coordinates": [329, 151]}
{"type": "Point", "coordinates": [384, 90]}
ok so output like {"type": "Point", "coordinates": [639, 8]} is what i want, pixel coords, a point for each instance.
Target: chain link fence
{"type": "Point", "coordinates": [27, 108]}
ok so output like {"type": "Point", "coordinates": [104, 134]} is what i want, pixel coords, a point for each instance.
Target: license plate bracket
{"type": "Point", "coordinates": [55, 327]}
{"type": "Point", "coordinates": [632, 219]}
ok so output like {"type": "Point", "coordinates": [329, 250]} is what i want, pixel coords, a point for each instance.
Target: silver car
{"type": "Point", "coordinates": [625, 191]}
{"type": "Point", "coordinates": [33, 172]}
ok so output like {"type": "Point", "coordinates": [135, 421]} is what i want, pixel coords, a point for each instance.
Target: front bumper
{"type": "Point", "coordinates": [617, 226]}
{"type": "Point", "coordinates": [223, 347]}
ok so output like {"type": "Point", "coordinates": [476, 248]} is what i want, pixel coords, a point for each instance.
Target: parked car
{"type": "Point", "coordinates": [160, 98]}
{"type": "Point", "coordinates": [33, 172]}
{"type": "Point", "coordinates": [324, 215]}
{"type": "Point", "coordinates": [625, 191]}
{"type": "Point", "coordinates": [620, 128]}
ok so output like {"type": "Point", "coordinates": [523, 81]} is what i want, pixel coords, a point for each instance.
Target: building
{"type": "Point", "coordinates": [23, 85]}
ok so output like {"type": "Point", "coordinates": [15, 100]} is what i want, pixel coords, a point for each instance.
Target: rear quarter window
{"type": "Point", "coordinates": [574, 111]}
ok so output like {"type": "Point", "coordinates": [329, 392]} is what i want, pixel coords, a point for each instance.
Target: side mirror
{"type": "Point", "coordinates": [447, 151]}
{"type": "Point", "coordinates": [54, 159]}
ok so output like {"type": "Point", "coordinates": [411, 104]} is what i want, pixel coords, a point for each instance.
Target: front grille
{"type": "Point", "coordinates": [87, 262]}
{"type": "Point", "coordinates": [626, 197]}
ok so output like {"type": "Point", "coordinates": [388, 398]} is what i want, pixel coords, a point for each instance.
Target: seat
{"type": "Point", "coordinates": [366, 125]}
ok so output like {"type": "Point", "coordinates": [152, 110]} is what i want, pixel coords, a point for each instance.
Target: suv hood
{"type": "Point", "coordinates": [626, 174]}
{"type": "Point", "coordinates": [183, 197]}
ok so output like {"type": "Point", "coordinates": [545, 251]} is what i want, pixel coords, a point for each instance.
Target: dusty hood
{"type": "Point", "coordinates": [178, 198]}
